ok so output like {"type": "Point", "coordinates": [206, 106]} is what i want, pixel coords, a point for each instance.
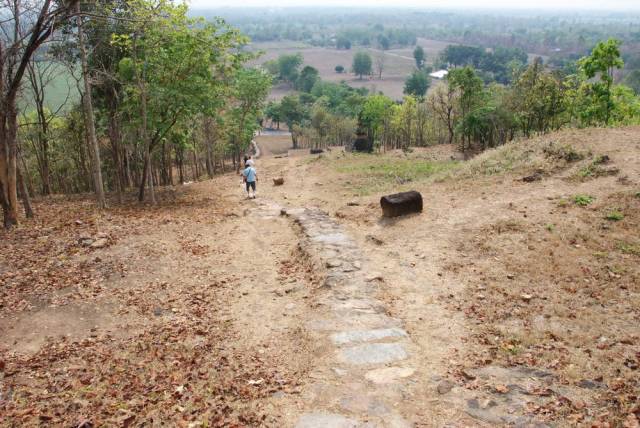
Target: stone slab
{"type": "Point", "coordinates": [325, 420]}
{"type": "Point", "coordinates": [346, 337]}
{"type": "Point", "coordinates": [388, 375]}
{"type": "Point", "coordinates": [373, 353]}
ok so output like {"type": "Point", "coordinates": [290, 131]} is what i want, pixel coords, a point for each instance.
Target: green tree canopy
{"type": "Point", "coordinates": [419, 56]}
{"type": "Point", "coordinates": [362, 64]}
{"type": "Point", "coordinates": [308, 77]}
{"type": "Point", "coordinates": [604, 59]}
{"type": "Point", "coordinates": [417, 84]}
{"type": "Point", "coordinates": [289, 66]}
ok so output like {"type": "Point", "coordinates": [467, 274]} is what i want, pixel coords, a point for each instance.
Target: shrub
{"type": "Point", "coordinates": [614, 216]}
{"type": "Point", "coordinates": [583, 200]}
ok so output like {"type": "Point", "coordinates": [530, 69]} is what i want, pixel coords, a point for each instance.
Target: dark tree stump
{"type": "Point", "coordinates": [363, 144]}
{"type": "Point", "coordinates": [316, 151]}
{"type": "Point", "coordinates": [278, 181]}
{"type": "Point", "coordinates": [401, 204]}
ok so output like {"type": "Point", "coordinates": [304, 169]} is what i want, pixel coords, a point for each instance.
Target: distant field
{"type": "Point", "coordinates": [60, 92]}
{"type": "Point", "coordinates": [399, 63]}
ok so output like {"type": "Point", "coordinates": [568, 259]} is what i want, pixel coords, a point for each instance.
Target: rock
{"type": "Point", "coordinates": [400, 204]}
{"type": "Point", "coordinates": [79, 222]}
{"type": "Point", "coordinates": [100, 243]}
{"type": "Point", "coordinates": [531, 178]}
{"type": "Point", "coordinates": [325, 420]}
{"type": "Point", "coordinates": [388, 374]}
{"type": "Point", "coordinates": [445, 386]}
{"type": "Point", "coordinates": [333, 263]}
{"type": "Point", "coordinates": [374, 277]}
{"type": "Point", "coordinates": [353, 204]}
{"type": "Point", "coordinates": [85, 241]}
{"type": "Point", "coordinates": [346, 337]}
{"type": "Point", "coordinates": [375, 353]}
{"type": "Point", "coordinates": [375, 240]}
{"type": "Point", "coordinates": [589, 384]}
{"type": "Point", "coordinates": [526, 297]}
{"type": "Point", "coordinates": [278, 181]}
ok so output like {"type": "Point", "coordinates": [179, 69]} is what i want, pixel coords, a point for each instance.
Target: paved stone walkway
{"type": "Point", "coordinates": [364, 367]}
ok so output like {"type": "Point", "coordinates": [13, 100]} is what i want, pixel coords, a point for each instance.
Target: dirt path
{"type": "Point", "coordinates": [381, 364]}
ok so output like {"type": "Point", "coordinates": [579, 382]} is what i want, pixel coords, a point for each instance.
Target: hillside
{"type": "Point", "coordinates": [513, 298]}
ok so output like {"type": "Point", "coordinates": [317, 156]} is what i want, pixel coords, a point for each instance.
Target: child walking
{"type": "Point", "coordinates": [250, 176]}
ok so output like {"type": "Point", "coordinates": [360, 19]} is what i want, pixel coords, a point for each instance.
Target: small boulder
{"type": "Point", "coordinates": [278, 181]}
{"type": "Point", "coordinates": [100, 243]}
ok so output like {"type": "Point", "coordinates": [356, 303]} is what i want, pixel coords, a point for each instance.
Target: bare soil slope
{"type": "Point", "coordinates": [520, 280]}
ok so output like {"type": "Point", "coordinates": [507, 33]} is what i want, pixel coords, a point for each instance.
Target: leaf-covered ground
{"type": "Point", "coordinates": [133, 317]}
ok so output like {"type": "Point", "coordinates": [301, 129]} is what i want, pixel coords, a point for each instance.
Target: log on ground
{"type": "Point", "coordinates": [278, 181]}
{"type": "Point", "coordinates": [401, 204]}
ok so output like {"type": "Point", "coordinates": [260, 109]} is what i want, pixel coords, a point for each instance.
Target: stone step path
{"type": "Point", "coordinates": [364, 371]}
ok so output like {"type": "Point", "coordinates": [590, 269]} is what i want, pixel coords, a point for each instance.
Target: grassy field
{"type": "Point", "coordinates": [398, 64]}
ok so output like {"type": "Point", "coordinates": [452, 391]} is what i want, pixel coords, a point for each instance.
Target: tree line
{"type": "Point", "coordinates": [163, 98]}
{"type": "Point", "coordinates": [463, 109]}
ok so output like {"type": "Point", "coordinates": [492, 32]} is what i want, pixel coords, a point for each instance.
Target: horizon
{"type": "Point", "coordinates": [527, 5]}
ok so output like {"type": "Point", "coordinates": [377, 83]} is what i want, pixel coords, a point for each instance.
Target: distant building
{"type": "Point", "coordinates": [440, 74]}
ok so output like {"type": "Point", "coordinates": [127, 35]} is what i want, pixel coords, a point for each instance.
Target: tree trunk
{"type": "Point", "coordinates": [89, 119]}
{"type": "Point", "coordinates": [8, 163]}
{"type": "Point", "coordinates": [24, 195]}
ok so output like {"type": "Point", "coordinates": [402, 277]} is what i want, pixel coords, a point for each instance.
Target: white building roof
{"type": "Point", "coordinates": [440, 74]}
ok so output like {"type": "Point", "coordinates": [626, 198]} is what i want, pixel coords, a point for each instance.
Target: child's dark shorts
{"type": "Point", "coordinates": [251, 185]}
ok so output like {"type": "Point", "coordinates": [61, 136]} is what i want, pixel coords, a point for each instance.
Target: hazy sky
{"type": "Point", "coordinates": [502, 4]}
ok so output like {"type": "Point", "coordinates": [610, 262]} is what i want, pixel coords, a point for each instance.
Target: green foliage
{"type": "Point", "coordinates": [604, 59]}
{"type": "Point", "coordinates": [250, 89]}
{"type": "Point", "coordinates": [361, 64]}
{"type": "Point", "coordinates": [376, 111]}
{"type": "Point", "coordinates": [289, 66]}
{"type": "Point", "coordinates": [632, 80]}
{"type": "Point", "coordinates": [497, 64]}
{"type": "Point", "coordinates": [614, 216]}
{"type": "Point", "coordinates": [417, 84]}
{"type": "Point", "coordinates": [629, 248]}
{"type": "Point", "coordinates": [538, 100]}
{"type": "Point", "coordinates": [339, 69]}
{"type": "Point", "coordinates": [342, 42]}
{"type": "Point", "coordinates": [583, 200]}
{"type": "Point", "coordinates": [371, 174]}
{"type": "Point", "coordinates": [419, 56]}
{"type": "Point", "coordinates": [307, 79]}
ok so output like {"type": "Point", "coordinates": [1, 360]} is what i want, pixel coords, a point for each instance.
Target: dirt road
{"type": "Point", "coordinates": [304, 308]}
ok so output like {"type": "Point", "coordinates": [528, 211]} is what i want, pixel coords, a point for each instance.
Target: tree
{"type": "Point", "coordinates": [361, 64]}
{"type": "Point", "coordinates": [293, 113]}
{"type": "Point", "coordinates": [249, 92]}
{"type": "Point", "coordinates": [26, 26]}
{"type": "Point", "coordinates": [288, 66]}
{"type": "Point", "coordinates": [633, 81]}
{"type": "Point", "coordinates": [384, 42]}
{"type": "Point", "coordinates": [417, 84]}
{"type": "Point", "coordinates": [418, 55]}
{"type": "Point", "coordinates": [339, 69]}
{"type": "Point", "coordinates": [538, 100]}
{"type": "Point", "coordinates": [380, 62]}
{"type": "Point", "coordinates": [343, 43]}
{"type": "Point", "coordinates": [170, 75]}
{"type": "Point", "coordinates": [604, 59]}
{"type": "Point", "coordinates": [469, 87]}
{"type": "Point", "coordinates": [273, 111]}
{"type": "Point", "coordinates": [308, 77]}
{"type": "Point", "coordinates": [375, 111]}
{"type": "Point", "coordinates": [443, 102]}
{"type": "Point", "coordinates": [90, 125]}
